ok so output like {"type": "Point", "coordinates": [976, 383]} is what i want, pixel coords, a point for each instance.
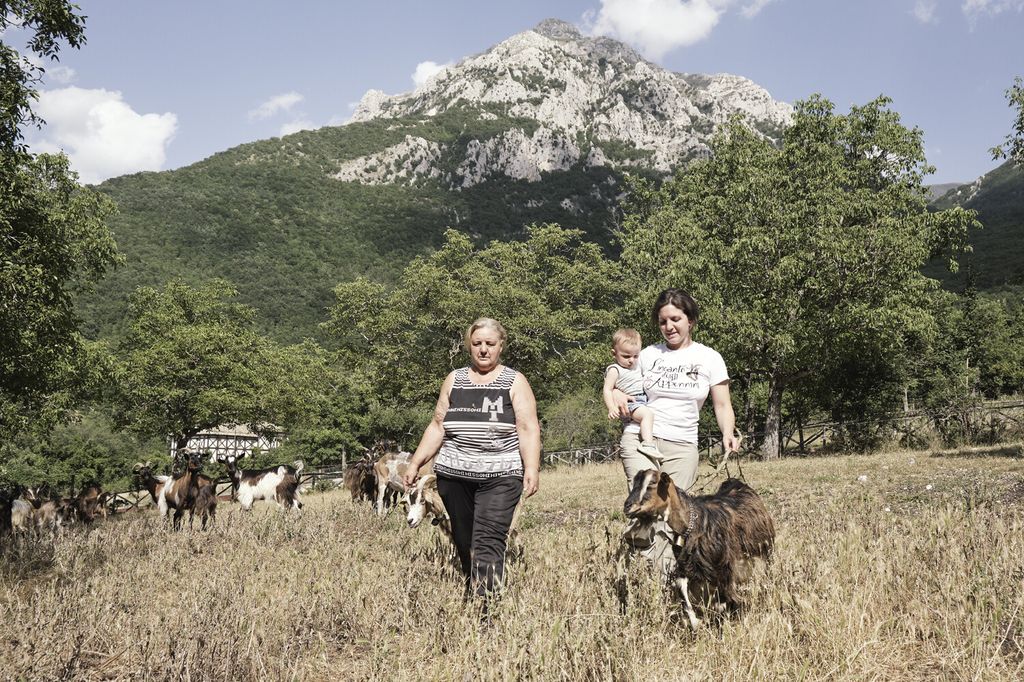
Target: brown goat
{"type": "Point", "coordinates": [179, 493]}
{"type": "Point", "coordinates": [423, 501]}
{"type": "Point", "coordinates": [359, 481]}
{"type": "Point", "coordinates": [388, 471]}
{"type": "Point", "coordinates": [90, 503]}
{"type": "Point", "coordinates": [716, 537]}
{"type": "Point", "coordinates": [205, 503]}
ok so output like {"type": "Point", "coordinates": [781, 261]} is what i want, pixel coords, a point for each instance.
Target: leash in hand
{"type": "Point", "coordinates": [719, 463]}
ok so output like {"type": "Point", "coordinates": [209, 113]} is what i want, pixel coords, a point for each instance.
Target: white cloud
{"type": "Point", "coordinates": [275, 105]}
{"type": "Point", "coordinates": [296, 126]}
{"type": "Point", "coordinates": [656, 27]}
{"type": "Point", "coordinates": [754, 8]}
{"type": "Point", "coordinates": [101, 134]}
{"type": "Point", "coordinates": [974, 8]}
{"type": "Point", "coordinates": [427, 70]}
{"type": "Point", "coordinates": [60, 74]}
{"type": "Point", "coordinates": [924, 11]}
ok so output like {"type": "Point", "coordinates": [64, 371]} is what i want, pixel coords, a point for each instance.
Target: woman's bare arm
{"type": "Point", "coordinates": [528, 426]}
{"type": "Point", "coordinates": [433, 435]}
{"type": "Point", "coordinates": [725, 416]}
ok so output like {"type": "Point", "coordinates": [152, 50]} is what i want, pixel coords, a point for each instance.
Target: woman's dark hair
{"type": "Point", "coordinates": [679, 299]}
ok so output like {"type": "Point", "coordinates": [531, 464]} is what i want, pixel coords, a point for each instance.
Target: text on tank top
{"type": "Point", "coordinates": [480, 437]}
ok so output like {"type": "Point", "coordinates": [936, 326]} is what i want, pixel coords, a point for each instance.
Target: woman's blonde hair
{"type": "Point", "coordinates": [486, 323]}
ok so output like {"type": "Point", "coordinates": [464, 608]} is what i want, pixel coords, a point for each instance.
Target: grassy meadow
{"type": "Point", "coordinates": [916, 572]}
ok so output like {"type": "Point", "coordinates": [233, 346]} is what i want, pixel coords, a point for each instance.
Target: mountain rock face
{"type": "Point", "coordinates": [588, 101]}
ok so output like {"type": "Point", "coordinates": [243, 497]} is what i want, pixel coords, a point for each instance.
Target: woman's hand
{"type": "Point", "coordinates": [412, 472]}
{"type": "Point", "coordinates": [730, 443]}
{"type": "Point", "coordinates": [622, 402]}
{"type": "Point", "coordinates": [531, 481]}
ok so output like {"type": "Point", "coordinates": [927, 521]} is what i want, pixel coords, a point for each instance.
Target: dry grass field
{"type": "Point", "coordinates": [916, 572]}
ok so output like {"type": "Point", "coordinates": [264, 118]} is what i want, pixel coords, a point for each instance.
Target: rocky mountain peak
{"type": "Point", "coordinates": [591, 101]}
{"type": "Point", "coordinates": [556, 29]}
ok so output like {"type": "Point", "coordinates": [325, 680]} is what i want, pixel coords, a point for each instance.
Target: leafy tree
{"type": "Point", "coordinates": [192, 360]}
{"type": "Point", "coordinates": [1013, 146]}
{"type": "Point", "coordinates": [48, 23]}
{"type": "Point", "coordinates": [555, 294]}
{"type": "Point", "coordinates": [577, 420]}
{"type": "Point", "coordinates": [55, 244]}
{"type": "Point", "coordinates": [53, 236]}
{"type": "Point", "coordinates": [802, 256]}
{"type": "Point", "coordinates": [87, 450]}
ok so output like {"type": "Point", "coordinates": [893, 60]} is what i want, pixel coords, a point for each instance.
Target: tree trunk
{"type": "Point", "coordinates": [771, 446]}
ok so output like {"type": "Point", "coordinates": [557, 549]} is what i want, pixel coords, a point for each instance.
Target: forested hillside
{"type": "Point", "coordinates": [540, 128]}
{"type": "Point", "coordinates": [998, 248]}
{"type": "Point", "coordinates": [269, 217]}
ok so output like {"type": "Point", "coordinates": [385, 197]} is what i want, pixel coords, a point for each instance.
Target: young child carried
{"type": "Point", "coordinates": [624, 374]}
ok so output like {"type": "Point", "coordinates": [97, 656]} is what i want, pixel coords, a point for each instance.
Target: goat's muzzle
{"type": "Point", "coordinates": [639, 494]}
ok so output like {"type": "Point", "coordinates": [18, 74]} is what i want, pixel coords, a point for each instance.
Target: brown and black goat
{"type": "Point", "coordinates": [153, 483]}
{"type": "Point", "coordinates": [90, 502]}
{"type": "Point", "coordinates": [280, 484]}
{"type": "Point", "coordinates": [359, 481]}
{"type": "Point", "coordinates": [181, 490]}
{"type": "Point", "coordinates": [205, 503]}
{"type": "Point", "coordinates": [715, 538]}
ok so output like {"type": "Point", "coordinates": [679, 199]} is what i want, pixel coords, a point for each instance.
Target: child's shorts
{"type": "Point", "coordinates": [638, 401]}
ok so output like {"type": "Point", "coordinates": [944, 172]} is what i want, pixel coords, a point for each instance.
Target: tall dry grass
{"type": "Point", "coordinates": [876, 579]}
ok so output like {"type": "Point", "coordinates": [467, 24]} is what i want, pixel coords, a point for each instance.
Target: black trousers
{"type": "Point", "coordinates": [481, 514]}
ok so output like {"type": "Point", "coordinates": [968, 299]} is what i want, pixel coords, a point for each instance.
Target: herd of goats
{"type": "Point", "coordinates": [712, 540]}
{"type": "Point", "coordinates": [376, 478]}
{"type": "Point", "coordinates": [38, 511]}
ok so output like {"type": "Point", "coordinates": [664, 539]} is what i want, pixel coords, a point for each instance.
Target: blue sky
{"type": "Point", "coordinates": [161, 85]}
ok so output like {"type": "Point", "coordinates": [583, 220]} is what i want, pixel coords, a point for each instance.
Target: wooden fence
{"type": "Point", "coordinates": [996, 420]}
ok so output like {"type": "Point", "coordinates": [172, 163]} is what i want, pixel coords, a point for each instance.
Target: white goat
{"type": "Point", "coordinates": [280, 484]}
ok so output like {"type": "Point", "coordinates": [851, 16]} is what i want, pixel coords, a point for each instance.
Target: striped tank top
{"type": "Point", "coordinates": [480, 437]}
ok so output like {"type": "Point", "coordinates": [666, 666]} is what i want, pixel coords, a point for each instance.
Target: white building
{"type": "Point", "coordinates": [228, 439]}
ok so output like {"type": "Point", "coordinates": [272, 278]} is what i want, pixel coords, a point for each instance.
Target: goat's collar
{"type": "Point", "coordinates": [691, 523]}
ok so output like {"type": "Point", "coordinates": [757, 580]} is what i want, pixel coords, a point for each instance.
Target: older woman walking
{"type": "Point", "coordinates": [486, 436]}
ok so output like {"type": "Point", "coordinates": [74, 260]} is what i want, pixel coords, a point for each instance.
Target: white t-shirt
{"type": "Point", "coordinates": [677, 384]}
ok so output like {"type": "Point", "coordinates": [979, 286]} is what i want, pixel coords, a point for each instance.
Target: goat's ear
{"type": "Point", "coordinates": [664, 483]}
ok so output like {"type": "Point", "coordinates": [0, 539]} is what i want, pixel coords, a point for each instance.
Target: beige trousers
{"type": "Point", "coordinates": [653, 541]}
{"type": "Point", "coordinates": [680, 460]}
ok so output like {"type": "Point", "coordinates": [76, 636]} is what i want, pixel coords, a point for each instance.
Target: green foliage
{"type": "Point", "coordinates": [996, 257]}
{"type": "Point", "coordinates": [805, 257]}
{"type": "Point", "coordinates": [269, 217]}
{"type": "Point", "coordinates": [1013, 146]}
{"type": "Point", "coordinates": [49, 23]}
{"type": "Point", "coordinates": [578, 419]}
{"type": "Point", "coordinates": [555, 294]}
{"type": "Point", "coordinates": [192, 360]}
{"type": "Point", "coordinates": [53, 239]}
{"type": "Point", "coordinates": [55, 244]}
{"type": "Point", "coordinates": [87, 450]}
